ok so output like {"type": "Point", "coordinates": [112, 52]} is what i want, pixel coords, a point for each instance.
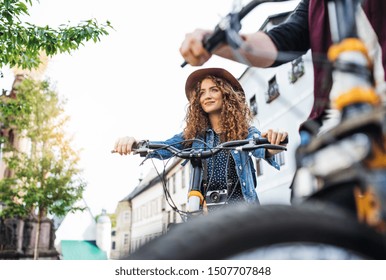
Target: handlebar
{"type": "Point", "coordinates": [145, 147]}
{"type": "Point", "coordinates": [230, 25]}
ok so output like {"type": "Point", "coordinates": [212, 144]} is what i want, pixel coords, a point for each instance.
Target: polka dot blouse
{"type": "Point", "coordinates": [223, 177]}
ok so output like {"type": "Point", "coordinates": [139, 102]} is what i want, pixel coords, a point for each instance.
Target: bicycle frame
{"type": "Point", "coordinates": [356, 178]}
{"type": "Point", "coordinates": [196, 193]}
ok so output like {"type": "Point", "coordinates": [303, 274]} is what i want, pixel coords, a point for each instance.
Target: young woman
{"type": "Point", "coordinates": [217, 113]}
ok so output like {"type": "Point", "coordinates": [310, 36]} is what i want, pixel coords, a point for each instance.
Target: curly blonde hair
{"type": "Point", "coordinates": [236, 116]}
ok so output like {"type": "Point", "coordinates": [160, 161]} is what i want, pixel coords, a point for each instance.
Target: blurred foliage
{"type": "Point", "coordinates": [43, 175]}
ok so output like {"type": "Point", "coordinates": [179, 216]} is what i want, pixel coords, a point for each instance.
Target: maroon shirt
{"type": "Point", "coordinates": [308, 28]}
{"type": "Point", "coordinates": [320, 40]}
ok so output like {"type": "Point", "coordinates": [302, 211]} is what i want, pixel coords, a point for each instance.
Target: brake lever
{"type": "Point", "coordinates": [250, 147]}
{"type": "Point", "coordinates": [141, 148]}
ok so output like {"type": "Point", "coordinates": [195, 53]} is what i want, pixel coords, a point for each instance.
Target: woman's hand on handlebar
{"type": "Point", "coordinates": [124, 145]}
{"type": "Point", "coordinates": [275, 137]}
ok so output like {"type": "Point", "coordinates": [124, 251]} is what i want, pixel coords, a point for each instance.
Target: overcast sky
{"type": "Point", "coordinates": [131, 82]}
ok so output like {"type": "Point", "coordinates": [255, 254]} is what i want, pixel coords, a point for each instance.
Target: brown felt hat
{"type": "Point", "coordinates": [198, 75]}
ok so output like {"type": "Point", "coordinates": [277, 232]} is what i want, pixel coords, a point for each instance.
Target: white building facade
{"type": "Point", "coordinates": [147, 214]}
{"type": "Point", "coordinates": [278, 101]}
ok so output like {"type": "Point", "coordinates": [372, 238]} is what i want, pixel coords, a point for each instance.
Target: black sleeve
{"type": "Point", "coordinates": [291, 38]}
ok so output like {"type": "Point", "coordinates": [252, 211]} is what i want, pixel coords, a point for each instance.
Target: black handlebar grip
{"type": "Point", "coordinates": [265, 141]}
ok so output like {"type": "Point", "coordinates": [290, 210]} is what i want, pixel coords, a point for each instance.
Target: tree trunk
{"type": "Point", "coordinates": [37, 236]}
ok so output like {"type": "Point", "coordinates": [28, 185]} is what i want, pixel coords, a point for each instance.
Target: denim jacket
{"type": "Point", "coordinates": [243, 161]}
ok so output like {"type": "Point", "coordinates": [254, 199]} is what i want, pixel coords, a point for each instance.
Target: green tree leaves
{"type": "Point", "coordinates": [44, 167]}
{"type": "Point", "coordinates": [21, 43]}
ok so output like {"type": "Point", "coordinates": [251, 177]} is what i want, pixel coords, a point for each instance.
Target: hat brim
{"type": "Point", "coordinates": [200, 74]}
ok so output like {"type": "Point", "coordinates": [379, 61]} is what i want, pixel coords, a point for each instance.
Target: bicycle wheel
{"type": "Point", "coordinates": [260, 232]}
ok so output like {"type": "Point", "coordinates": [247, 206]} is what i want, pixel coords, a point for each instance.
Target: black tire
{"type": "Point", "coordinates": [235, 230]}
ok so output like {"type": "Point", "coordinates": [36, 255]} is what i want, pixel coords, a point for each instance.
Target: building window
{"type": "Point", "coordinates": [183, 183]}
{"type": "Point", "coordinates": [174, 183]}
{"type": "Point", "coordinates": [143, 212]}
{"type": "Point", "coordinates": [253, 105]}
{"type": "Point", "coordinates": [170, 217]}
{"type": "Point", "coordinates": [259, 166]}
{"type": "Point", "coordinates": [163, 203]}
{"type": "Point", "coordinates": [280, 158]}
{"type": "Point", "coordinates": [273, 90]}
{"type": "Point", "coordinates": [113, 245]}
{"type": "Point", "coordinates": [125, 239]}
{"type": "Point", "coordinates": [168, 183]}
{"type": "Point", "coordinates": [136, 216]}
{"type": "Point", "coordinates": [126, 216]}
{"type": "Point", "coordinates": [297, 70]}
{"type": "Point", "coordinates": [154, 209]}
